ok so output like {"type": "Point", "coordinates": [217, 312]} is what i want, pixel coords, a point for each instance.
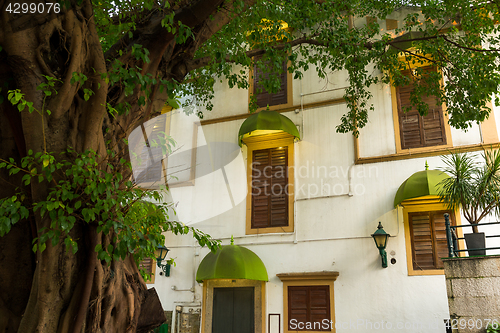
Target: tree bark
{"type": "Point", "coordinates": [55, 290]}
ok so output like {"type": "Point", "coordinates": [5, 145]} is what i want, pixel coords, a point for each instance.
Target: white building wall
{"type": "Point", "coordinates": [338, 205]}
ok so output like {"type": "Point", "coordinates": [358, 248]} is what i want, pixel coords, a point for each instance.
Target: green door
{"type": "Point", "coordinates": [233, 310]}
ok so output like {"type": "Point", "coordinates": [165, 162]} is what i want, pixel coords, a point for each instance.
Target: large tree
{"type": "Point", "coordinates": [78, 76]}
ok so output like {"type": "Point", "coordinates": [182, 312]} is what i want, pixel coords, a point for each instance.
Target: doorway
{"type": "Point", "coordinates": [233, 310]}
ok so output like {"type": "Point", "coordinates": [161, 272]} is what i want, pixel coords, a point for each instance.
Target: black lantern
{"type": "Point", "coordinates": [161, 256]}
{"type": "Point", "coordinates": [380, 237]}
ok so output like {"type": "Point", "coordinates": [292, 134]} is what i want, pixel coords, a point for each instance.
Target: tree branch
{"type": "Point", "coordinates": [204, 61]}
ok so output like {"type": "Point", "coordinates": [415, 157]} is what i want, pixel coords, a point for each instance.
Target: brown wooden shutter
{"type": "Point", "coordinates": [269, 187]}
{"type": "Point", "coordinates": [263, 97]}
{"type": "Point", "coordinates": [420, 226]}
{"type": "Point", "coordinates": [147, 265]}
{"type": "Point", "coordinates": [428, 237]}
{"type": "Point", "coordinates": [298, 304]}
{"type": "Point", "coordinates": [440, 242]}
{"type": "Point", "coordinates": [309, 304]}
{"type": "Point", "coordinates": [417, 131]}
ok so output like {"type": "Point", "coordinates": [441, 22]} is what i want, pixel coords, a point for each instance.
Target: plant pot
{"type": "Point", "coordinates": [476, 241]}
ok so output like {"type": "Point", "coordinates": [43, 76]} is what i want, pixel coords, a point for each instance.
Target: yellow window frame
{"type": "Point", "coordinates": [265, 142]}
{"type": "Point", "coordinates": [395, 117]}
{"type": "Point", "coordinates": [425, 204]}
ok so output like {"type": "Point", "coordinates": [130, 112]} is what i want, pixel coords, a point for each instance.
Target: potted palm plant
{"type": "Point", "coordinates": [473, 186]}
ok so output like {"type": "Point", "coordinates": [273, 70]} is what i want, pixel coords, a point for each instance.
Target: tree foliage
{"type": "Point", "coordinates": [83, 191]}
{"type": "Point", "coordinates": [76, 82]}
{"type": "Point", "coordinates": [460, 38]}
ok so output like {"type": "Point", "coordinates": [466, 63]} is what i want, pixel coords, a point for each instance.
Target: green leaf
{"type": "Point", "coordinates": [98, 248]}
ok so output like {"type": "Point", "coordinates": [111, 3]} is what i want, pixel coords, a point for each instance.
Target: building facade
{"type": "Point", "coordinates": [306, 202]}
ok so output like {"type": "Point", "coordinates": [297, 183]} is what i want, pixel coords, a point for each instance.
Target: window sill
{"type": "Point", "coordinates": [426, 272]}
{"type": "Point", "coordinates": [424, 152]}
{"type": "Point", "coordinates": [271, 230]}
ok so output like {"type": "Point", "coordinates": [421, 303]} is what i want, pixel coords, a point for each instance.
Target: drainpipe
{"type": "Point", "coordinates": [178, 311]}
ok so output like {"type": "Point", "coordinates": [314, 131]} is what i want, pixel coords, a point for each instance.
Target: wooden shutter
{"type": "Point", "coordinates": [309, 304]}
{"type": "Point", "coordinates": [147, 265]}
{"type": "Point", "coordinates": [263, 97]}
{"type": "Point", "coordinates": [269, 188]}
{"type": "Point", "coordinates": [441, 244]}
{"type": "Point", "coordinates": [415, 130]}
{"type": "Point", "coordinates": [428, 238]}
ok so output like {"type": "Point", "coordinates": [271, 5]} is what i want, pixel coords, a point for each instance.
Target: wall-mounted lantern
{"type": "Point", "coordinates": [380, 237]}
{"type": "Point", "coordinates": [161, 256]}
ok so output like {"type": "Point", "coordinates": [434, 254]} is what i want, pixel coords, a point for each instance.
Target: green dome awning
{"type": "Point", "coordinates": [267, 121]}
{"type": "Point", "coordinates": [232, 262]}
{"type": "Point", "coordinates": [420, 184]}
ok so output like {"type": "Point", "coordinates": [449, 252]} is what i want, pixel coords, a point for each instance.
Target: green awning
{"type": "Point", "coordinates": [267, 121]}
{"type": "Point", "coordinates": [420, 184]}
{"type": "Point", "coordinates": [232, 262]}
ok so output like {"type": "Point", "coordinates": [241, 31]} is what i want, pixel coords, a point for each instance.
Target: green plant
{"type": "Point", "coordinates": [473, 186]}
{"type": "Point", "coordinates": [83, 192]}
{"type": "Point", "coordinates": [493, 328]}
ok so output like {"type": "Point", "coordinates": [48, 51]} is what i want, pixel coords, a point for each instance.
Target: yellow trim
{"type": "Point", "coordinates": [421, 60]}
{"type": "Point", "coordinates": [289, 90]}
{"type": "Point", "coordinates": [260, 132]}
{"type": "Point", "coordinates": [259, 301]}
{"type": "Point", "coordinates": [397, 129]}
{"type": "Point", "coordinates": [489, 131]}
{"type": "Point", "coordinates": [308, 279]}
{"type": "Point", "coordinates": [265, 142]}
{"type": "Point", "coordinates": [425, 204]}
{"type": "Point", "coordinates": [283, 109]}
{"type": "Point", "coordinates": [166, 108]}
{"type": "Point", "coordinates": [425, 200]}
{"type": "Point", "coordinates": [204, 308]}
{"type": "Point", "coordinates": [438, 150]}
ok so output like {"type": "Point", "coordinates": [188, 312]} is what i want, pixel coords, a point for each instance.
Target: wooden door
{"type": "Point", "coordinates": [233, 310]}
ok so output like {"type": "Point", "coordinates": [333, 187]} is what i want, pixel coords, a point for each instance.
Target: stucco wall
{"type": "Point", "coordinates": [338, 205]}
{"type": "Point", "coordinates": [332, 230]}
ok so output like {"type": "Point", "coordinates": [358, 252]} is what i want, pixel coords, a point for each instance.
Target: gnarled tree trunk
{"type": "Point", "coordinates": [55, 290]}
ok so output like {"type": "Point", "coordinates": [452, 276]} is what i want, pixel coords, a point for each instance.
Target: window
{"type": "Point", "coordinates": [425, 233]}
{"type": "Point", "coordinates": [263, 97]}
{"type": "Point", "coordinates": [412, 129]}
{"type": "Point", "coordinates": [149, 266]}
{"type": "Point", "coordinates": [428, 239]}
{"type": "Point", "coordinates": [308, 304]}
{"type": "Point", "coordinates": [279, 99]}
{"type": "Point", "coordinates": [308, 301]}
{"type": "Point", "coordinates": [270, 183]}
{"type": "Point", "coordinates": [153, 166]}
{"type": "Point", "coordinates": [270, 187]}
